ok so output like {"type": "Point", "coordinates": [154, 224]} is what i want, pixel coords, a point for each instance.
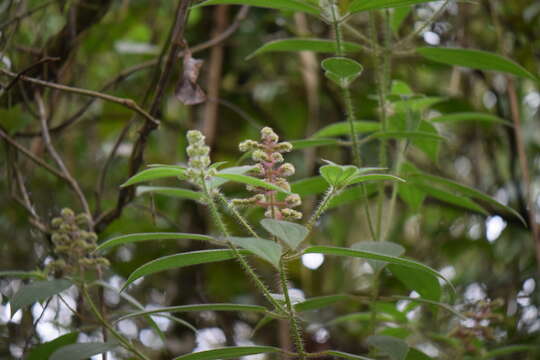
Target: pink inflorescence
{"type": "Point", "coordinates": [268, 156]}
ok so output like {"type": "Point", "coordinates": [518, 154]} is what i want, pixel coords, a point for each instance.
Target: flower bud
{"type": "Point", "coordinates": [286, 170]}
{"type": "Point", "coordinates": [293, 200]}
{"type": "Point", "coordinates": [269, 136]}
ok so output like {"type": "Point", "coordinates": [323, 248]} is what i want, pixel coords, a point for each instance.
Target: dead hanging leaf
{"type": "Point", "coordinates": [188, 92]}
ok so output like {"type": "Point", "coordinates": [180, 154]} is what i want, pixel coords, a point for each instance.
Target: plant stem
{"type": "Point", "coordinates": [330, 193]}
{"type": "Point", "coordinates": [127, 345]}
{"type": "Point", "coordinates": [245, 265]}
{"type": "Point", "coordinates": [295, 329]}
{"type": "Point", "coordinates": [237, 215]}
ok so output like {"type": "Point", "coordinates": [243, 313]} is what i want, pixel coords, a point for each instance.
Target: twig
{"type": "Point", "coordinates": [30, 12]}
{"type": "Point", "coordinates": [128, 103]}
{"type": "Point", "coordinates": [57, 158]}
{"type": "Point", "coordinates": [25, 71]}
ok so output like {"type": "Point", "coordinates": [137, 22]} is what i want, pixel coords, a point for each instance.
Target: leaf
{"type": "Point", "coordinates": [398, 17]}
{"type": "Point", "coordinates": [188, 91]}
{"type": "Point", "coordinates": [170, 191]}
{"type": "Point", "coordinates": [469, 116]}
{"type": "Point", "coordinates": [290, 233]}
{"type": "Point", "coordinates": [82, 351]}
{"type": "Point", "coordinates": [343, 128]}
{"type": "Point", "coordinates": [415, 354]}
{"type": "Point", "coordinates": [228, 353]}
{"type": "Point", "coordinates": [452, 199]}
{"type": "Point", "coordinates": [468, 191]}
{"type": "Point", "coordinates": [21, 274]}
{"type": "Point", "coordinates": [380, 247]}
{"type": "Point", "coordinates": [308, 143]}
{"type": "Point", "coordinates": [44, 351]}
{"type": "Point", "coordinates": [411, 195]}
{"type": "Point", "coordinates": [179, 260]}
{"type": "Point", "coordinates": [309, 186]}
{"type": "Point", "coordinates": [375, 177]}
{"type": "Point", "coordinates": [341, 70]}
{"type": "Point", "coordinates": [319, 302]}
{"type": "Point", "coordinates": [155, 173]}
{"type": "Point", "coordinates": [411, 135]}
{"type": "Point", "coordinates": [304, 44]}
{"type": "Point", "coordinates": [265, 249]}
{"type": "Point", "coordinates": [250, 180]}
{"type": "Point", "coordinates": [418, 103]}
{"type": "Point", "coordinates": [352, 194]}
{"type": "Point", "coordinates": [363, 5]}
{"type": "Point", "coordinates": [475, 59]}
{"type": "Point", "coordinates": [345, 355]}
{"type": "Point", "coordinates": [510, 349]}
{"type": "Point", "coordinates": [430, 147]}
{"type": "Point", "coordinates": [338, 176]}
{"type": "Point", "coordinates": [196, 307]}
{"type": "Point", "coordinates": [395, 348]}
{"type": "Point", "coordinates": [284, 5]}
{"type": "Point", "coordinates": [425, 284]}
{"type": "Point", "coordinates": [216, 181]}
{"type": "Point", "coordinates": [432, 302]}
{"type": "Point", "coordinates": [339, 251]}
{"type": "Point", "coordinates": [37, 291]}
{"type": "Point", "coordinates": [131, 238]}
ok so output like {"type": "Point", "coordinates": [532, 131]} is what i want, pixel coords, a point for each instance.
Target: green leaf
{"type": "Point", "coordinates": [196, 307]}
{"type": "Point", "coordinates": [411, 135]}
{"type": "Point", "coordinates": [374, 177]}
{"type": "Point", "coordinates": [398, 17]}
{"type": "Point", "coordinates": [395, 348]}
{"type": "Point", "coordinates": [239, 170]}
{"type": "Point", "coordinates": [430, 147]}
{"type": "Point", "coordinates": [37, 291]}
{"type": "Point", "coordinates": [250, 180]}
{"type": "Point", "coordinates": [359, 317]}
{"type": "Point", "coordinates": [475, 59]}
{"type": "Point", "coordinates": [341, 70]}
{"type": "Point", "coordinates": [309, 186]}
{"type": "Point", "coordinates": [353, 194]}
{"type": "Point", "coordinates": [155, 173]}
{"type": "Point", "coordinates": [308, 143]}
{"type": "Point", "coordinates": [131, 238]}
{"type": "Point", "coordinates": [179, 260]}
{"type": "Point", "coordinates": [339, 251]}
{"type": "Point", "coordinates": [425, 284]}
{"type": "Point", "coordinates": [304, 44]}
{"type": "Point", "coordinates": [265, 249]}
{"type": "Point", "coordinates": [364, 5]}
{"type": "Point", "coordinates": [417, 103]}
{"type": "Point", "coordinates": [469, 116]}
{"type": "Point", "coordinates": [510, 349]}
{"type": "Point", "coordinates": [290, 233]}
{"type": "Point", "coordinates": [170, 191]}
{"type": "Point", "coordinates": [380, 247]}
{"type": "Point", "coordinates": [344, 355]}
{"type": "Point", "coordinates": [468, 191]}
{"type": "Point", "coordinates": [44, 351]}
{"type": "Point", "coordinates": [411, 195]}
{"type": "Point", "coordinates": [415, 354]}
{"type": "Point", "coordinates": [21, 274]}
{"type": "Point", "coordinates": [343, 128]}
{"type": "Point", "coordinates": [319, 302]}
{"type": "Point", "coordinates": [228, 353]}
{"type": "Point", "coordinates": [82, 351]}
{"type": "Point", "coordinates": [338, 175]}
{"type": "Point", "coordinates": [284, 5]}
{"type": "Point", "coordinates": [452, 199]}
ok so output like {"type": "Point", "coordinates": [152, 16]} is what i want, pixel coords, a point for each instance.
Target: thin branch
{"type": "Point", "coordinates": [128, 103]}
{"type": "Point", "coordinates": [57, 158]}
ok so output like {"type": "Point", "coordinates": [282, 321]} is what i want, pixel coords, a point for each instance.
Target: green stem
{"type": "Point", "coordinates": [295, 328]}
{"type": "Point", "coordinates": [127, 345]}
{"type": "Point", "coordinates": [245, 265]}
{"type": "Point", "coordinates": [330, 193]}
{"type": "Point", "coordinates": [237, 215]}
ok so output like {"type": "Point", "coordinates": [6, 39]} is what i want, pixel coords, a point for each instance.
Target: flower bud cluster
{"type": "Point", "coordinates": [74, 245]}
{"type": "Point", "coordinates": [267, 153]}
{"type": "Point", "coordinates": [198, 157]}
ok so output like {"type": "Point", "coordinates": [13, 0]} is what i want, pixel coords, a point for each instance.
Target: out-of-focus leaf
{"type": "Point", "coordinates": [395, 348]}
{"type": "Point", "coordinates": [290, 233]}
{"type": "Point", "coordinates": [415, 354]}
{"type": "Point", "coordinates": [44, 351]}
{"type": "Point", "coordinates": [352, 194]}
{"type": "Point", "coordinates": [308, 143]}
{"type": "Point", "coordinates": [425, 284]}
{"type": "Point", "coordinates": [343, 128]}
{"type": "Point", "coordinates": [303, 44]}
{"type": "Point", "coordinates": [469, 116]}
{"type": "Point", "coordinates": [411, 135]}
{"type": "Point", "coordinates": [37, 291]}
{"type": "Point", "coordinates": [430, 147]}
{"type": "Point", "coordinates": [131, 238]}
{"type": "Point", "coordinates": [228, 353]}
{"type": "Point", "coordinates": [250, 180]}
{"type": "Point", "coordinates": [188, 91]}
{"type": "Point", "coordinates": [344, 355]}
{"type": "Point", "coordinates": [179, 260]}
{"type": "Point", "coordinates": [447, 197]}
{"type": "Point", "coordinates": [416, 103]}
{"type": "Point", "coordinates": [380, 247]}
{"type": "Point", "coordinates": [343, 71]}
{"type": "Point", "coordinates": [475, 59]}
{"type": "Point", "coordinates": [82, 351]}
{"type": "Point", "coordinates": [319, 302]}
{"type": "Point", "coordinates": [364, 5]}
{"type": "Point", "coordinates": [375, 177]}
{"type": "Point", "coordinates": [155, 173]}
{"type": "Point", "coordinates": [170, 191]}
{"type": "Point", "coordinates": [398, 16]}
{"type": "Point", "coordinates": [510, 349]}
{"type": "Point", "coordinates": [265, 249]}
{"type": "Point", "coordinates": [284, 5]}
{"type": "Point", "coordinates": [21, 274]}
